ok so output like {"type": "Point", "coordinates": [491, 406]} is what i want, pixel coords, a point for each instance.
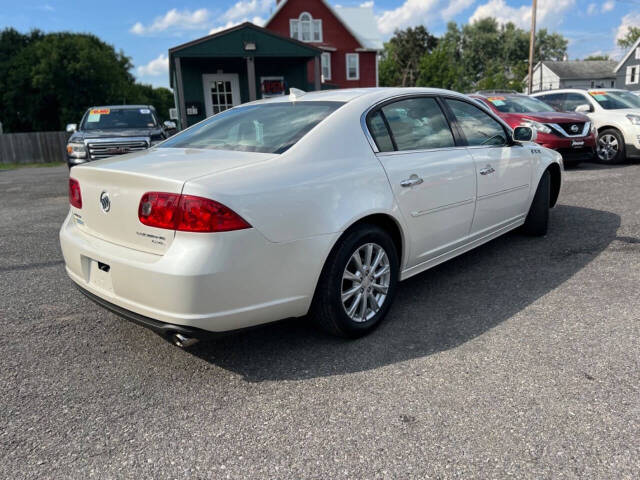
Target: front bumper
{"type": "Point", "coordinates": [214, 282]}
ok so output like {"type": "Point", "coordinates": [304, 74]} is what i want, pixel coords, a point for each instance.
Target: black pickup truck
{"type": "Point", "coordinates": [114, 130]}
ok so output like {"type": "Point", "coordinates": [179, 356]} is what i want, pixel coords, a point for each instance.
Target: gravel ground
{"type": "Point", "coordinates": [519, 359]}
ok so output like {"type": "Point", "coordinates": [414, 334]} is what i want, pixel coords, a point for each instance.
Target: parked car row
{"type": "Point", "coordinates": [615, 115]}
{"type": "Point", "coordinates": [115, 130]}
{"type": "Point", "coordinates": [571, 134]}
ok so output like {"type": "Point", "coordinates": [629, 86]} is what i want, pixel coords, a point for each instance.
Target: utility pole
{"type": "Point", "coordinates": [532, 43]}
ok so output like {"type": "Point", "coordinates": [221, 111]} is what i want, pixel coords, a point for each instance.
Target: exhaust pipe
{"type": "Point", "coordinates": [182, 341]}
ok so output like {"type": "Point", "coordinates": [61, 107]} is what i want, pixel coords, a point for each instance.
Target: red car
{"type": "Point", "coordinates": [571, 134]}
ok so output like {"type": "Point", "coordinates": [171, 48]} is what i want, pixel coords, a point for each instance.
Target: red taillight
{"type": "Point", "coordinates": [75, 196]}
{"type": "Point", "coordinates": [187, 213]}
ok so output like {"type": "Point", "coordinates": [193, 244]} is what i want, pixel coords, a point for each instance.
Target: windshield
{"type": "Point", "coordinates": [113, 118]}
{"type": "Point", "coordinates": [519, 104]}
{"type": "Point", "coordinates": [267, 128]}
{"type": "Point", "coordinates": [615, 100]}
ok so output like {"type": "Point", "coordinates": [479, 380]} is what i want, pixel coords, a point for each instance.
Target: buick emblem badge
{"type": "Point", "coordinates": [574, 128]}
{"type": "Point", "coordinates": [105, 202]}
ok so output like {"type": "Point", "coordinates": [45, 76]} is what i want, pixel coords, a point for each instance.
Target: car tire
{"type": "Point", "coordinates": [338, 281]}
{"type": "Point", "coordinates": [610, 147]}
{"type": "Point", "coordinates": [537, 221]}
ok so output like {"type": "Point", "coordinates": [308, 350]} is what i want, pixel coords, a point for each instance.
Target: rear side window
{"type": "Point", "coordinates": [572, 100]}
{"type": "Point", "coordinates": [478, 127]}
{"type": "Point", "coordinates": [267, 128]}
{"type": "Point", "coordinates": [379, 132]}
{"type": "Point", "coordinates": [418, 124]}
{"type": "Point", "coordinates": [553, 99]}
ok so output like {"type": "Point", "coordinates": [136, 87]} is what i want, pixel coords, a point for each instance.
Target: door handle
{"type": "Point", "coordinates": [487, 170]}
{"type": "Point", "coordinates": [411, 181]}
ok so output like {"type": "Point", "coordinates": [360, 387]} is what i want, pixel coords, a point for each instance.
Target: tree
{"type": "Point", "coordinates": [47, 81]}
{"type": "Point", "coordinates": [485, 55]}
{"type": "Point", "coordinates": [633, 33]}
{"type": "Point", "coordinates": [596, 57]}
{"type": "Point", "coordinates": [401, 56]}
{"type": "Point", "coordinates": [550, 46]}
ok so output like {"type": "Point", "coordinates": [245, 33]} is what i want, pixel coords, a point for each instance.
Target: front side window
{"type": "Point", "coordinates": [326, 66]}
{"type": "Point", "coordinates": [418, 124]}
{"type": "Point", "coordinates": [267, 128]}
{"type": "Point", "coordinates": [478, 127]}
{"type": "Point", "coordinates": [573, 100]}
{"type": "Point", "coordinates": [353, 66]}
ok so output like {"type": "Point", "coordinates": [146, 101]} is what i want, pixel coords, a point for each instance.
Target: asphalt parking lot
{"type": "Point", "coordinates": [521, 358]}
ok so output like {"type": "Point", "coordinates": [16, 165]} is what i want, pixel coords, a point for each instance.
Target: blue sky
{"type": "Point", "coordinates": [146, 29]}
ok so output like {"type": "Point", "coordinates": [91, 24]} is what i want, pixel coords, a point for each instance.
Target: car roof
{"type": "Point", "coordinates": [579, 90]}
{"type": "Point", "coordinates": [349, 94]}
{"type": "Point", "coordinates": [133, 107]}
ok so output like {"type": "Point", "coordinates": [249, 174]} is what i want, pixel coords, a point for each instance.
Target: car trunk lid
{"type": "Point", "coordinates": [112, 188]}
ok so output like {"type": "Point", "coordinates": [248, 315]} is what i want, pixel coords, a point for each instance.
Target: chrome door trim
{"type": "Point", "coordinates": [419, 213]}
{"type": "Point", "coordinates": [502, 192]}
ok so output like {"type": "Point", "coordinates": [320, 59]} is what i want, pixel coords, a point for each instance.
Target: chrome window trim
{"type": "Point", "coordinates": [444, 96]}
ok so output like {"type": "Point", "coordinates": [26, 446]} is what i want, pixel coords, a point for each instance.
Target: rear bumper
{"type": "Point", "coordinates": [214, 282]}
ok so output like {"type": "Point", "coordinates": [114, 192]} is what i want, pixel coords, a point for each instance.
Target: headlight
{"type": "Point", "coordinates": [540, 127]}
{"type": "Point", "coordinates": [635, 119]}
{"type": "Point", "coordinates": [76, 150]}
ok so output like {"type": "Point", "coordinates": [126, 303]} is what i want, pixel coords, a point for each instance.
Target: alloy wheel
{"type": "Point", "coordinates": [607, 147]}
{"type": "Point", "coordinates": [365, 282]}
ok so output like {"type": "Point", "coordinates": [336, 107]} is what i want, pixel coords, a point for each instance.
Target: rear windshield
{"type": "Point", "coordinates": [519, 104]}
{"type": "Point", "coordinates": [613, 100]}
{"type": "Point", "coordinates": [268, 128]}
{"type": "Point", "coordinates": [114, 118]}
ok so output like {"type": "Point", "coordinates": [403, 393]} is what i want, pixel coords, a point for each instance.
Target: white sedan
{"type": "Point", "coordinates": [316, 203]}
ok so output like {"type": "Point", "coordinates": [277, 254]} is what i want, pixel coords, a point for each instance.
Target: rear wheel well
{"type": "Point", "coordinates": [387, 223]}
{"type": "Point", "coordinates": [554, 172]}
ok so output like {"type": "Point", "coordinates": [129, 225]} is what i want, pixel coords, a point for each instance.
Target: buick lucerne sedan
{"type": "Point", "coordinates": [308, 204]}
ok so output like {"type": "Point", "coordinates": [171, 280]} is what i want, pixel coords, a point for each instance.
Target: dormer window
{"type": "Point", "coordinates": [305, 28]}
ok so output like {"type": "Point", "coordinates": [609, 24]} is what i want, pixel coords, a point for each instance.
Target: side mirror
{"type": "Point", "coordinates": [72, 127]}
{"type": "Point", "coordinates": [584, 108]}
{"type": "Point", "coordinates": [524, 134]}
{"type": "Point", "coordinates": [169, 125]}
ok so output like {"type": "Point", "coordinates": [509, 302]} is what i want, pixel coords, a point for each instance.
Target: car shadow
{"type": "Point", "coordinates": [434, 311]}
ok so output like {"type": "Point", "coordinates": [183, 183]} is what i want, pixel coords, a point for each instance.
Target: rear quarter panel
{"type": "Point", "coordinates": [323, 184]}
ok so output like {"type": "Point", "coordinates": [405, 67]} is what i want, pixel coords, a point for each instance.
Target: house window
{"type": "Point", "coordinates": [305, 28]}
{"type": "Point", "coordinates": [637, 53]}
{"type": "Point", "coordinates": [353, 66]}
{"type": "Point", "coordinates": [593, 84]}
{"type": "Point", "coordinates": [326, 66]}
{"type": "Point", "coordinates": [613, 83]}
{"type": "Point", "coordinates": [632, 75]}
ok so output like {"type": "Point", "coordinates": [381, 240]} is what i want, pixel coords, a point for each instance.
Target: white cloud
{"type": "Point", "coordinates": [455, 7]}
{"type": "Point", "coordinates": [245, 9]}
{"type": "Point", "coordinates": [608, 6]}
{"type": "Point", "coordinates": [592, 9]}
{"type": "Point", "coordinates": [174, 19]}
{"type": "Point", "coordinates": [368, 4]}
{"type": "Point", "coordinates": [629, 20]}
{"type": "Point", "coordinates": [255, 20]}
{"type": "Point", "coordinates": [411, 12]}
{"type": "Point", "coordinates": [550, 13]}
{"type": "Point", "coordinates": [157, 66]}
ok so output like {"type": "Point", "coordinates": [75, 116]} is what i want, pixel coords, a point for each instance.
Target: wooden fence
{"type": "Point", "coordinates": [33, 147]}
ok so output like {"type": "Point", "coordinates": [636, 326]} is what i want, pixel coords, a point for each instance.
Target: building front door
{"type": "Point", "coordinates": [221, 92]}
